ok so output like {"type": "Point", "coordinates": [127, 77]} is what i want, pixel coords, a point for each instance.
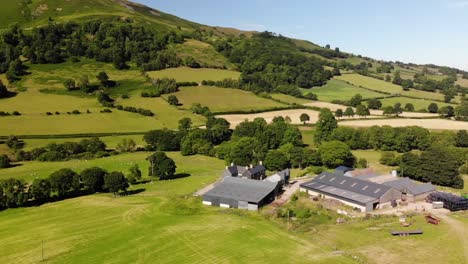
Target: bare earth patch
{"type": "Point", "coordinates": [436, 124]}
{"type": "Point", "coordinates": [294, 114]}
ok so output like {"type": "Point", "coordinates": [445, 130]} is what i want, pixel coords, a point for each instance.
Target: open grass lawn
{"type": "Point", "coordinates": [223, 99]}
{"type": "Point", "coordinates": [339, 90]}
{"type": "Point", "coordinates": [163, 224]}
{"type": "Point", "coordinates": [203, 53]}
{"type": "Point", "coordinates": [461, 81]}
{"type": "Point", "coordinates": [289, 99]}
{"type": "Point", "coordinates": [418, 103]}
{"type": "Point", "coordinates": [185, 74]}
{"type": "Point", "coordinates": [308, 136]}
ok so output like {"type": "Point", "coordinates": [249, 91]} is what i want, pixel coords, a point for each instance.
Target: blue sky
{"type": "Point", "coordinates": [429, 31]}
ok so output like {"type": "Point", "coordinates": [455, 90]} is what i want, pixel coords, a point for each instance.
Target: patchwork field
{"type": "Point", "coordinates": [290, 99]}
{"type": "Point", "coordinates": [294, 114]}
{"type": "Point", "coordinates": [339, 90]}
{"type": "Point", "coordinates": [223, 99]}
{"type": "Point", "coordinates": [434, 124]}
{"type": "Point", "coordinates": [185, 74]}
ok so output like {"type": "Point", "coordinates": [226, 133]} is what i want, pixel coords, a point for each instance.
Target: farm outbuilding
{"type": "Point", "coordinates": [234, 192]}
{"type": "Point", "coordinates": [249, 172]}
{"type": "Point", "coordinates": [364, 195]}
{"type": "Point", "coordinates": [411, 191]}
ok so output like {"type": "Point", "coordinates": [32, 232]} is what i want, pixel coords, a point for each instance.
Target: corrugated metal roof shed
{"type": "Point", "coordinates": [242, 189]}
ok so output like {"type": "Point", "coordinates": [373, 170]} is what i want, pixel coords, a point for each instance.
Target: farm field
{"type": "Point", "coordinates": [223, 99]}
{"type": "Point", "coordinates": [203, 53]}
{"type": "Point", "coordinates": [290, 99]}
{"type": "Point", "coordinates": [387, 87]}
{"type": "Point", "coordinates": [155, 224]}
{"type": "Point", "coordinates": [51, 76]}
{"type": "Point", "coordinates": [294, 114]}
{"type": "Point", "coordinates": [433, 124]}
{"type": "Point", "coordinates": [419, 104]}
{"type": "Point", "coordinates": [373, 157]}
{"type": "Point", "coordinates": [185, 74]}
{"type": "Point", "coordinates": [339, 90]}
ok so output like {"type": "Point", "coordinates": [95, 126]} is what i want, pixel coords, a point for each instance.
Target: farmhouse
{"type": "Point", "coordinates": [361, 194]}
{"type": "Point", "coordinates": [234, 192]}
{"type": "Point", "coordinates": [248, 172]}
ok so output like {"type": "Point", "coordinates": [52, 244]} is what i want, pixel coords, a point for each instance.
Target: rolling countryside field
{"type": "Point", "coordinates": [338, 90]}
{"type": "Point", "coordinates": [223, 99]}
{"type": "Point", "coordinates": [185, 74]}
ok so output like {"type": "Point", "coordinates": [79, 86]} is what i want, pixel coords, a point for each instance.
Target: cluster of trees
{"type": "Point", "coordinates": [162, 86]}
{"type": "Point", "coordinates": [61, 184]}
{"type": "Point", "coordinates": [4, 93]}
{"type": "Point", "coordinates": [86, 86]}
{"type": "Point", "coordinates": [438, 165]}
{"type": "Point", "coordinates": [326, 53]}
{"type": "Point", "coordinates": [113, 40]}
{"type": "Point", "coordinates": [84, 149]}
{"type": "Point", "coordinates": [132, 109]}
{"type": "Point", "coordinates": [266, 64]}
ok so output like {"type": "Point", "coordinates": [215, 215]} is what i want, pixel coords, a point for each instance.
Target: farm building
{"type": "Point", "coordinates": [410, 190]}
{"type": "Point", "coordinates": [248, 172]}
{"type": "Point", "coordinates": [361, 194]}
{"type": "Point", "coordinates": [280, 179]}
{"type": "Point", "coordinates": [341, 170]}
{"type": "Point", "coordinates": [234, 192]}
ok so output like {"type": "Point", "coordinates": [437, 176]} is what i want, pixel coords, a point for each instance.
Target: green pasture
{"type": "Point", "coordinates": [185, 74]}
{"type": "Point", "coordinates": [223, 99]}
{"type": "Point", "coordinates": [339, 90]}
{"type": "Point", "coordinates": [418, 103]}
{"type": "Point", "coordinates": [289, 99]}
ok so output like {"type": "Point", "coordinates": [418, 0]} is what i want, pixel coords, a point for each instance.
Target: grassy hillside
{"type": "Point", "coordinates": [37, 13]}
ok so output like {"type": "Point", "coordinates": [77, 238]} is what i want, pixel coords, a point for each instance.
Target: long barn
{"type": "Point", "coordinates": [364, 195]}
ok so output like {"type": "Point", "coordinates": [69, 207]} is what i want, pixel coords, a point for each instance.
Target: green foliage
{"type": "Point", "coordinates": [161, 166]}
{"type": "Point", "coordinates": [163, 140]}
{"type": "Point", "coordinates": [275, 160]}
{"type": "Point", "coordinates": [4, 161]}
{"type": "Point", "coordinates": [349, 112]}
{"type": "Point", "coordinates": [172, 100]}
{"type": "Point", "coordinates": [93, 179]}
{"type": "Point", "coordinates": [409, 107]}
{"type": "Point", "coordinates": [433, 108]}
{"type": "Point", "coordinates": [336, 153]}
{"type": "Point", "coordinates": [197, 141]}
{"type": "Point", "coordinates": [12, 192]}
{"type": "Point", "coordinates": [339, 113]}
{"type": "Point", "coordinates": [3, 90]}
{"type": "Point", "coordinates": [185, 124]}
{"type": "Point", "coordinates": [362, 110]}
{"type": "Point", "coordinates": [438, 165]}
{"type": "Point", "coordinates": [14, 143]}
{"type": "Point", "coordinates": [135, 172]}
{"type": "Point", "coordinates": [461, 139]}
{"type": "Point", "coordinates": [115, 182]}
{"type": "Point", "coordinates": [388, 158]}
{"type": "Point", "coordinates": [63, 181]}
{"type": "Point", "coordinates": [325, 125]}
{"type": "Point", "coordinates": [355, 100]}
{"type": "Point", "coordinates": [304, 118]}
{"type": "Point", "coordinates": [374, 103]}
{"type": "Point", "coordinates": [40, 190]}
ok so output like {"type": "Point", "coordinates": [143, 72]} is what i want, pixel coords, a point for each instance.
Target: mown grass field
{"type": "Point", "coordinates": [223, 99]}
{"type": "Point", "coordinates": [163, 223]}
{"type": "Point", "coordinates": [339, 90]}
{"type": "Point", "coordinates": [185, 74]}
{"type": "Point", "coordinates": [419, 104]}
{"type": "Point", "coordinates": [203, 53]}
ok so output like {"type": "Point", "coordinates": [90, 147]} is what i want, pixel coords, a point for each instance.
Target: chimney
{"type": "Point", "coordinates": [251, 166]}
{"type": "Point", "coordinates": [394, 173]}
{"type": "Point", "coordinates": [232, 164]}
{"type": "Point", "coordinates": [261, 162]}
